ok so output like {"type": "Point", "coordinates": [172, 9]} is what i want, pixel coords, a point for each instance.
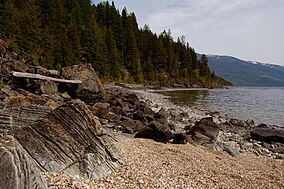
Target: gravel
{"type": "Point", "coordinates": [149, 164]}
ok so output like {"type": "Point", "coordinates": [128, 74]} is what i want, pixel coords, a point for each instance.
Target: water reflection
{"type": "Point", "coordinates": [188, 97]}
{"type": "Point", "coordinates": [263, 105]}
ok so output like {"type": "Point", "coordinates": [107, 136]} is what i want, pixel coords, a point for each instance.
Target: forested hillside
{"type": "Point", "coordinates": [64, 32]}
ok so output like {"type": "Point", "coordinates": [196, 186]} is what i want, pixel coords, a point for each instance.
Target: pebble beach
{"type": "Point", "coordinates": [149, 164]}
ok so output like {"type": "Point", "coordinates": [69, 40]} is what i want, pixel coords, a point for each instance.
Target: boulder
{"type": "Point", "coordinates": [7, 67]}
{"type": "Point", "coordinates": [155, 131]}
{"type": "Point", "coordinates": [173, 126]}
{"type": "Point", "coordinates": [146, 109]}
{"type": "Point", "coordinates": [11, 118]}
{"type": "Point", "coordinates": [233, 152]}
{"type": "Point", "coordinates": [69, 140]}
{"type": "Point", "coordinates": [127, 101]}
{"type": "Point", "coordinates": [91, 88]}
{"type": "Point", "coordinates": [268, 134]}
{"type": "Point", "coordinates": [162, 114]}
{"type": "Point", "coordinates": [245, 124]}
{"type": "Point", "coordinates": [132, 99]}
{"type": "Point", "coordinates": [48, 87]}
{"type": "Point", "coordinates": [206, 127]}
{"type": "Point", "coordinates": [9, 62]}
{"type": "Point", "coordinates": [18, 170]}
{"type": "Point", "coordinates": [180, 138]}
{"type": "Point", "coordinates": [24, 100]}
{"type": "Point", "coordinates": [138, 115]}
{"type": "Point", "coordinates": [277, 149]}
{"type": "Point", "coordinates": [114, 118]}
{"type": "Point", "coordinates": [119, 111]}
{"type": "Point", "coordinates": [237, 122]}
{"type": "Point", "coordinates": [102, 105]}
{"type": "Point", "coordinates": [100, 109]}
{"type": "Point", "coordinates": [131, 126]}
{"type": "Point", "coordinates": [161, 117]}
{"type": "Point", "coordinates": [42, 71]}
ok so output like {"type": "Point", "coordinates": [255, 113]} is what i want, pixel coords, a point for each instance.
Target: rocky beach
{"type": "Point", "coordinates": [151, 164]}
{"type": "Point", "coordinates": [65, 129]}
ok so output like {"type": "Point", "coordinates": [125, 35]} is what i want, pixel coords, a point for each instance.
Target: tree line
{"type": "Point", "coordinates": [59, 33]}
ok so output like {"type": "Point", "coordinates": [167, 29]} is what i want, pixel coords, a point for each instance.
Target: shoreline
{"type": "Point", "coordinates": [150, 164]}
{"type": "Point", "coordinates": [223, 110]}
{"type": "Point", "coordinates": [229, 125]}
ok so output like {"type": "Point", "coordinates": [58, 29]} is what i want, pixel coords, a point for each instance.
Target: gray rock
{"type": "Point", "coordinates": [180, 138]}
{"type": "Point", "coordinates": [11, 118]}
{"type": "Point", "coordinates": [206, 127]}
{"type": "Point", "coordinates": [268, 134]}
{"type": "Point", "coordinates": [131, 126]}
{"type": "Point", "coordinates": [91, 87]}
{"type": "Point", "coordinates": [100, 109]}
{"type": "Point", "coordinates": [8, 66]}
{"type": "Point", "coordinates": [233, 152]}
{"type": "Point", "coordinates": [18, 170]}
{"type": "Point", "coordinates": [48, 87]}
{"type": "Point", "coordinates": [155, 131]}
{"type": "Point", "coordinates": [70, 140]}
{"type": "Point", "coordinates": [279, 156]}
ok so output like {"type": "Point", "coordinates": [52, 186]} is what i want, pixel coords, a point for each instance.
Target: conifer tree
{"type": "Point", "coordinates": [64, 32]}
{"type": "Point", "coordinates": [8, 19]}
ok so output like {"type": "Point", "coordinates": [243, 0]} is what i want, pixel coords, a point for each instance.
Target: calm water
{"type": "Point", "coordinates": [263, 105]}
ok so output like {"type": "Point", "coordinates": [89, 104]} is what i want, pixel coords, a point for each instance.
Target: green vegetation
{"type": "Point", "coordinates": [59, 33]}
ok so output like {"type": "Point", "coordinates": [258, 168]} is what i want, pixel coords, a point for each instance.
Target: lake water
{"type": "Point", "coordinates": [263, 105]}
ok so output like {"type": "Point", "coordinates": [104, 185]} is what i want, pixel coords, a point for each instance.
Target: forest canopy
{"type": "Point", "coordinates": [59, 33]}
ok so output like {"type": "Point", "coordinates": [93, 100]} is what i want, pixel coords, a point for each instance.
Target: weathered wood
{"type": "Point", "coordinates": [42, 77]}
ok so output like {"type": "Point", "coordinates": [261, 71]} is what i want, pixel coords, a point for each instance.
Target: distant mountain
{"type": "Point", "coordinates": [247, 73]}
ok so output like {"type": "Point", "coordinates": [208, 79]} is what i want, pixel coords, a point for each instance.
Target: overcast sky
{"type": "Point", "coordinates": [247, 29]}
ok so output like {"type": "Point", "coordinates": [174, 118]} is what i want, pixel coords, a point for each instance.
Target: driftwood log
{"type": "Point", "coordinates": [42, 77]}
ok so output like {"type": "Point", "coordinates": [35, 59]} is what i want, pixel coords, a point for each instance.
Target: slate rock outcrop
{"type": "Point", "coordinates": [68, 139]}
{"type": "Point", "coordinates": [18, 170]}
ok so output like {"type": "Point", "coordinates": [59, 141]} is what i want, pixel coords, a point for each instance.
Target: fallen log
{"type": "Point", "coordinates": [42, 77]}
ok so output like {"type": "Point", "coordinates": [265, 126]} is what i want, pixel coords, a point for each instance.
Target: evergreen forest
{"type": "Point", "coordinates": [60, 33]}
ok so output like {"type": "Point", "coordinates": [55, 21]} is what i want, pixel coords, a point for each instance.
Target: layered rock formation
{"type": "Point", "coordinates": [43, 130]}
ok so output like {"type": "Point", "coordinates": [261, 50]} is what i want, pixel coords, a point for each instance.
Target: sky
{"type": "Point", "coordinates": [247, 29]}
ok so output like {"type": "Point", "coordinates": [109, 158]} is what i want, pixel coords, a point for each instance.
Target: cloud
{"type": "Point", "coordinates": [248, 29]}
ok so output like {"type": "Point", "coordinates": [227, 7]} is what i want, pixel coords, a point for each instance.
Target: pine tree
{"type": "Point", "coordinates": [113, 56]}
{"type": "Point", "coordinates": [64, 32]}
{"type": "Point", "coordinates": [94, 48]}
{"type": "Point", "coordinates": [8, 19]}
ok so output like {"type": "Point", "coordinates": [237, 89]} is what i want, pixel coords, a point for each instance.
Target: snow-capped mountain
{"type": "Point", "coordinates": [247, 73]}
